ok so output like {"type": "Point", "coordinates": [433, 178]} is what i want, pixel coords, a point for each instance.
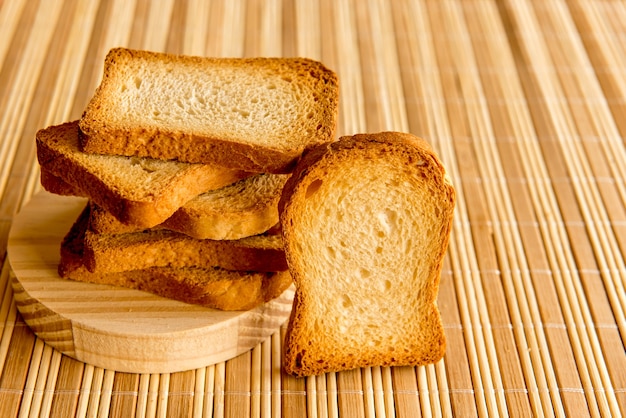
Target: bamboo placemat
{"type": "Point", "coordinates": [523, 100]}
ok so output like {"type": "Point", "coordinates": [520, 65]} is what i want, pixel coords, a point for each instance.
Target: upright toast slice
{"type": "Point", "coordinates": [242, 209]}
{"type": "Point", "coordinates": [210, 287]}
{"type": "Point", "coordinates": [255, 114]}
{"type": "Point", "coordinates": [366, 222]}
{"type": "Point", "coordinates": [140, 191]}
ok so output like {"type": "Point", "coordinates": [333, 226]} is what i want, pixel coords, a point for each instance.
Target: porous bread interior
{"type": "Point", "coordinates": [226, 101]}
{"type": "Point", "coordinates": [248, 193]}
{"type": "Point", "coordinates": [245, 208]}
{"type": "Point", "coordinates": [365, 236]}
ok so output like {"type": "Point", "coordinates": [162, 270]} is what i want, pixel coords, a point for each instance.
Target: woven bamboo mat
{"type": "Point", "coordinates": [523, 100]}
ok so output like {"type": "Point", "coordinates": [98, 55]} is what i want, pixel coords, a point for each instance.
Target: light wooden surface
{"type": "Point", "coordinates": [114, 328]}
{"type": "Point", "coordinates": [522, 99]}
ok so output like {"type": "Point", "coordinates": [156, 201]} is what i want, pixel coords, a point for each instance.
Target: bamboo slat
{"type": "Point", "coordinates": [522, 99]}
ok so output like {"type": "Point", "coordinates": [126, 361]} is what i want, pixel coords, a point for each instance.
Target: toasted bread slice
{"type": "Point", "coordinates": [212, 288]}
{"type": "Point", "coordinates": [105, 253]}
{"type": "Point", "coordinates": [245, 208]}
{"type": "Point", "coordinates": [141, 191]}
{"type": "Point", "coordinates": [366, 223]}
{"type": "Point", "coordinates": [255, 114]}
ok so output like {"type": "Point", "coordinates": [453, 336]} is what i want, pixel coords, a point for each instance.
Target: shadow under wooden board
{"type": "Point", "coordinates": [117, 328]}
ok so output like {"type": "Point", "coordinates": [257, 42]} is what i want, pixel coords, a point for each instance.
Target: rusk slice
{"type": "Point", "coordinates": [141, 191]}
{"type": "Point", "coordinates": [255, 114]}
{"type": "Point", "coordinates": [160, 247]}
{"type": "Point", "coordinates": [245, 208]}
{"type": "Point", "coordinates": [248, 207]}
{"type": "Point", "coordinates": [366, 222]}
{"type": "Point", "coordinates": [212, 288]}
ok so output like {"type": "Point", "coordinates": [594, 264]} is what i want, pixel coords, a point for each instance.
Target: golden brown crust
{"type": "Point", "coordinates": [211, 288]}
{"type": "Point", "coordinates": [314, 154]}
{"type": "Point", "coordinates": [277, 152]}
{"type": "Point", "coordinates": [305, 353]}
{"type": "Point", "coordinates": [145, 203]}
{"type": "Point", "coordinates": [56, 185]}
{"type": "Point", "coordinates": [160, 247]}
{"type": "Point", "coordinates": [245, 208]}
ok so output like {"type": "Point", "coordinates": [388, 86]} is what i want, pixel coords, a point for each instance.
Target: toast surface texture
{"type": "Point", "coordinates": [106, 253]}
{"type": "Point", "coordinates": [140, 191]}
{"type": "Point", "coordinates": [55, 184]}
{"type": "Point", "coordinates": [256, 114]}
{"type": "Point", "coordinates": [245, 208]}
{"type": "Point", "coordinates": [366, 223]}
{"type": "Point", "coordinates": [209, 287]}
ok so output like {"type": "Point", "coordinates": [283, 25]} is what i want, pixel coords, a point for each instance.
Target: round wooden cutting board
{"type": "Point", "coordinates": [117, 328]}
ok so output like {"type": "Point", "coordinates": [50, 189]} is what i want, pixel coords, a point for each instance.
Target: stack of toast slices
{"type": "Point", "coordinates": [183, 161]}
{"type": "Point", "coordinates": [219, 182]}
